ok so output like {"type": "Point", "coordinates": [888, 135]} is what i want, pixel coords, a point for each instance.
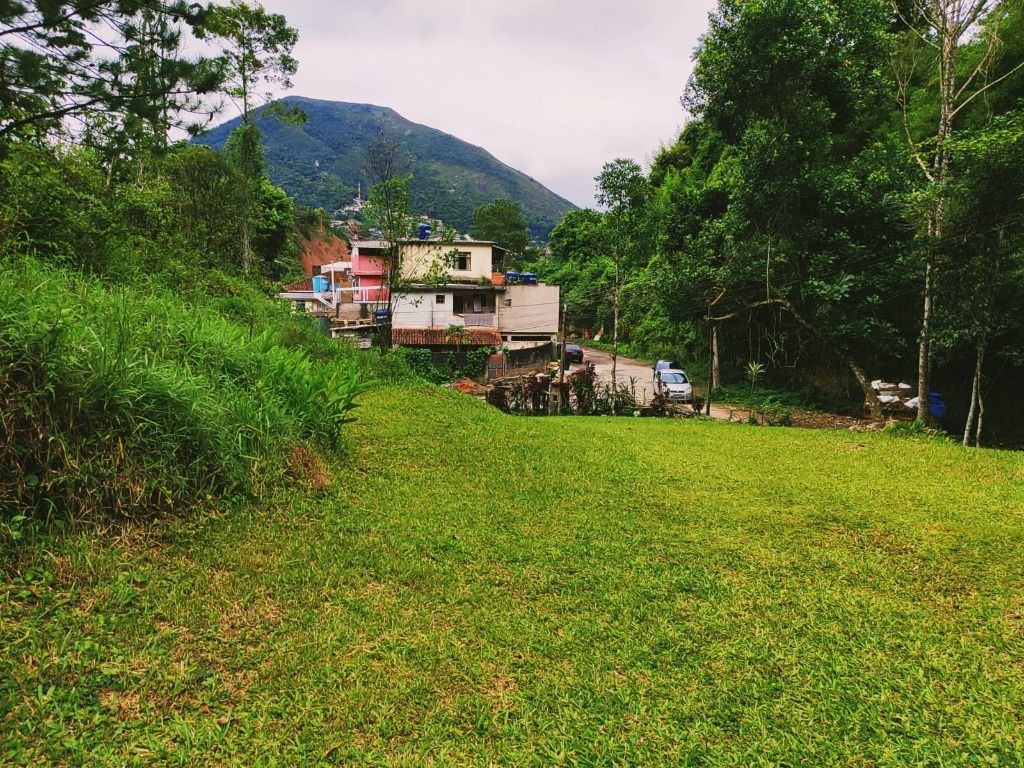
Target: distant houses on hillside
{"type": "Point", "coordinates": [444, 286]}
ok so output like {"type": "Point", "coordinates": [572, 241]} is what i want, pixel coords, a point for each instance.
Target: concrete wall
{"type": "Point", "coordinates": [528, 309]}
{"type": "Point", "coordinates": [417, 259]}
{"type": "Point", "coordinates": [421, 310]}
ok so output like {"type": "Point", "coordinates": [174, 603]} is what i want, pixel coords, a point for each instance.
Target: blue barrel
{"type": "Point", "coordinates": [381, 315]}
{"type": "Point", "coordinates": [937, 405]}
{"type": "Point", "coordinates": [528, 278]}
{"type": "Point", "coordinates": [320, 284]}
{"type": "Point", "coordinates": [424, 231]}
{"type": "Point", "coordinates": [512, 278]}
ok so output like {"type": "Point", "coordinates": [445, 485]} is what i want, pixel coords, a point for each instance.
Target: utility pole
{"type": "Point", "coordinates": [615, 332]}
{"type": "Point", "coordinates": [561, 358]}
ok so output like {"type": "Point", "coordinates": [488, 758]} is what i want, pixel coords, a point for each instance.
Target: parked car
{"type": "Point", "coordinates": [574, 353]}
{"type": "Point", "coordinates": [673, 385]}
{"type": "Point", "coordinates": [663, 365]}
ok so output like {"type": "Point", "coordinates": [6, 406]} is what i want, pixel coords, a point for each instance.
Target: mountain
{"type": "Point", "coordinates": [321, 162]}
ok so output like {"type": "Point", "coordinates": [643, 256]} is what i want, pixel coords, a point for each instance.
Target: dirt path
{"type": "Point", "coordinates": [640, 377]}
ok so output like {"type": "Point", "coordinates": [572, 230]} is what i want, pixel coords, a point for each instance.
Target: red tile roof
{"type": "Point", "coordinates": [305, 284]}
{"type": "Point", "coordinates": [442, 337]}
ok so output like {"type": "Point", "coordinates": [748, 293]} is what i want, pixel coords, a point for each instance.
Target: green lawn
{"type": "Point", "coordinates": [491, 590]}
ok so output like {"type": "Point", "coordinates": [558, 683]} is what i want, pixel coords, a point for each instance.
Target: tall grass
{"type": "Point", "coordinates": [134, 401]}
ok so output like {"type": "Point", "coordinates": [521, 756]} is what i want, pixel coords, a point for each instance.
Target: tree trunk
{"type": "Point", "coordinates": [948, 49]}
{"type": "Point", "coordinates": [870, 396]}
{"type": "Point", "coordinates": [981, 399]}
{"type": "Point", "coordinates": [714, 378]}
{"type": "Point", "coordinates": [975, 391]}
{"type": "Point", "coordinates": [924, 350]}
{"type": "Point", "coordinates": [247, 255]}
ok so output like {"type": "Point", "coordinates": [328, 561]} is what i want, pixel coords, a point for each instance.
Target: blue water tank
{"type": "Point", "coordinates": [512, 278]}
{"type": "Point", "coordinates": [381, 315]}
{"type": "Point", "coordinates": [320, 284]}
{"type": "Point", "coordinates": [424, 232]}
{"type": "Point", "coordinates": [528, 278]}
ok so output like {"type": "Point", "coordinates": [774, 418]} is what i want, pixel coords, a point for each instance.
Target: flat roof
{"type": "Point", "coordinates": [432, 240]}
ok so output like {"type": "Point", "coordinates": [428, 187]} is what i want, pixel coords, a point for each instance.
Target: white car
{"type": "Point", "coordinates": [673, 385]}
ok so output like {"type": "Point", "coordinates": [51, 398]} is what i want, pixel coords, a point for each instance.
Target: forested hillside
{"type": "Point", "coordinates": [321, 160]}
{"type": "Point", "coordinates": [846, 204]}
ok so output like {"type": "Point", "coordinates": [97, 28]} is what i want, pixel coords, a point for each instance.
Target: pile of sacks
{"type": "Point", "coordinates": [895, 398]}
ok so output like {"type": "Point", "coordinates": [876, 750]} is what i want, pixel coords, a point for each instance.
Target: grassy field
{"type": "Point", "coordinates": [483, 589]}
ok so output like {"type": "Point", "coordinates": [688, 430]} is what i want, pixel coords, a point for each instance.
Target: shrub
{"type": "Point", "coordinates": [135, 402]}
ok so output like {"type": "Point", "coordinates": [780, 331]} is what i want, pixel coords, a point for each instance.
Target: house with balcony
{"type": "Point", "coordinates": [460, 283]}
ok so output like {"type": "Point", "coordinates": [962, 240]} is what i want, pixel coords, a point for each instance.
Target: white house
{"type": "Point", "coordinates": [472, 292]}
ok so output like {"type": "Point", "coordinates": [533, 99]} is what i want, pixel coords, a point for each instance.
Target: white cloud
{"type": "Point", "coordinates": [554, 88]}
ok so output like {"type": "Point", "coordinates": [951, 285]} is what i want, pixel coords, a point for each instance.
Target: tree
{"type": "Point", "coordinates": [257, 50]}
{"type": "Point", "coordinates": [623, 190]}
{"type": "Point", "coordinates": [79, 60]}
{"type": "Point", "coordinates": [983, 303]}
{"type": "Point", "coordinates": [790, 96]}
{"type": "Point", "coordinates": [935, 31]}
{"type": "Point", "coordinates": [389, 210]}
{"type": "Point", "coordinates": [503, 223]}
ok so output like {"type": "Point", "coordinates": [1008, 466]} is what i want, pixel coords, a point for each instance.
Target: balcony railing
{"type": "Point", "coordinates": [479, 320]}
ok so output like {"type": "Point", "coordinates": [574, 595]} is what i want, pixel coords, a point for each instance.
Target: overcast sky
{"type": "Point", "coordinates": [554, 88]}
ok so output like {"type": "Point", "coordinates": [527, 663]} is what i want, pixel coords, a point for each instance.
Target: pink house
{"type": "Point", "coordinates": [369, 261]}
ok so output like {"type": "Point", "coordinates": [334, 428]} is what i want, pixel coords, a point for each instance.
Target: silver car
{"type": "Point", "coordinates": [674, 385]}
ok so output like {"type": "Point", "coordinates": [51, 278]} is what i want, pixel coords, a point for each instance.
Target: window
{"type": "Point", "coordinates": [439, 298]}
{"type": "Point", "coordinates": [462, 261]}
{"type": "Point", "coordinates": [458, 304]}
{"type": "Point", "coordinates": [316, 269]}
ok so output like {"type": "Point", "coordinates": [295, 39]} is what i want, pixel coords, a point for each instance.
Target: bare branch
{"type": "Point", "coordinates": [986, 87]}
{"type": "Point", "coordinates": [911, 27]}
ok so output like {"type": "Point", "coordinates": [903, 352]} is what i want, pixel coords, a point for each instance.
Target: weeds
{"type": "Point", "coordinates": [134, 403]}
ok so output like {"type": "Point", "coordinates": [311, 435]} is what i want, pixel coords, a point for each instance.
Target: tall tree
{"type": "Point", "coordinates": [257, 51]}
{"type": "Point", "coordinates": [503, 223]}
{"type": "Point", "coordinates": [935, 32]}
{"type": "Point", "coordinates": [623, 190]}
{"type": "Point", "coordinates": [77, 60]}
{"type": "Point", "coordinates": [389, 209]}
{"type": "Point", "coordinates": [794, 92]}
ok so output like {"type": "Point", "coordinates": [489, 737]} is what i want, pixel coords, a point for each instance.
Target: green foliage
{"type": "Point", "coordinates": [257, 48]}
{"type": "Point", "coordinates": [119, 65]}
{"type": "Point", "coordinates": [133, 402]}
{"type": "Point", "coordinates": [189, 213]}
{"type": "Point", "coordinates": [503, 223]}
{"type": "Point", "coordinates": [470, 363]}
{"type": "Point", "coordinates": [754, 372]}
{"type": "Point", "coordinates": [451, 178]}
{"type": "Point", "coordinates": [915, 430]}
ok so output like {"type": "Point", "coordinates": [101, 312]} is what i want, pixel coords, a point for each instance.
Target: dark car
{"type": "Point", "coordinates": [664, 365]}
{"type": "Point", "coordinates": [573, 353]}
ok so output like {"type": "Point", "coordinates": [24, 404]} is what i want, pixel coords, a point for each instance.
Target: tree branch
{"type": "Point", "coordinates": [987, 87]}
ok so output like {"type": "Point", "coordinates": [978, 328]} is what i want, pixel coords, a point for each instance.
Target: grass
{"type": "Point", "coordinates": [489, 590]}
{"type": "Point", "coordinates": [131, 400]}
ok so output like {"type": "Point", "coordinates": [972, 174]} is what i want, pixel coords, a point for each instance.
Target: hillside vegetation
{"type": "Point", "coordinates": [321, 161]}
{"type": "Point", "coordinates": [824, 231]}
{"type": "Point", "coordinates": [481, 589]}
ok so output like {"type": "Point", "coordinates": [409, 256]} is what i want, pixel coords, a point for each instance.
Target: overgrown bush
{"type": "Point", "coordinates": [135, 402]}
{"type": "Point", "coordinates": [420, 362]}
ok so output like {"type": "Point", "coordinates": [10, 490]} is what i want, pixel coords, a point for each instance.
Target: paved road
{"type": "Point", "coordinates": [627, 371]}
{"type": "Point", "coordinates": [641, 376]}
